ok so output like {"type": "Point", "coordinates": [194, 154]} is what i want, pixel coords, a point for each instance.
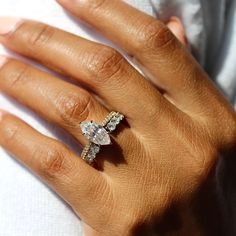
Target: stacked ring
{"type": "Point", "coordinates": [98, 134]}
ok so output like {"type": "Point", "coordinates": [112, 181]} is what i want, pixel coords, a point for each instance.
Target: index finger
{"type": "Point", "coordinates": [154, 48]}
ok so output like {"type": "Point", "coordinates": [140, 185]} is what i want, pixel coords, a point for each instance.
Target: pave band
{"type": "Point", "coordinates": [98, 134]}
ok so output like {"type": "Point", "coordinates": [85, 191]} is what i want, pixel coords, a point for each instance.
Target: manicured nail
{"type": "Point", "coordinates": [8, 24]}
{"type": "Point", "coordinates": [3, 60]}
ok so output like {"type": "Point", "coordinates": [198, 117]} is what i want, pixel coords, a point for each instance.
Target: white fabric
{"type": "Point", "coordinates": [27, 206]}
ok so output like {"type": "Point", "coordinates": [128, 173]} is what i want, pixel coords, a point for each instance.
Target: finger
{"type": "Point", "coordinates": [55, 100]}
{"type": "Point", "coordinates": [177, 28]}
{"type": "Point", "coordinates": [61, 103]}
{"type": "Point", "coordinates": [100, 68]}
{"type": "Point", "coordinates": [76, 182]}
{"type": "Point", "coordinates": [155, 49]}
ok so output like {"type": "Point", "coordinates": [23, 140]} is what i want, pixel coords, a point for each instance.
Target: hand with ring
{"type": "Point", "coordinates": [150, 140]}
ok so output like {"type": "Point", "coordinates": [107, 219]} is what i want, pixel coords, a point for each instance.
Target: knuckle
{"type": "Point", "coordinates": [226, 134]}
{"type": "Point", "coordinates": [94, 4]}
{"type": "Point", "coordinates": [54, 162]}
{"type": "Point", "coordinates": [203, 152]}
{"type": "Point", "coordinates": [73, 107]}
{"type": "Point", "coordinates": [205, 161]}
{"type": "Point", "coordinates": [220, 124]}
{"type": "Point", "coordinates": [10, 130]}
{"type": "Point", "coordinates": [39, 34]}
{"type": "Point", "coordinates": [18, 76]}
{"type": "Point", "coordinates": [154, 35]}
{"type": "Point", "coordinates": [105, 64]}
{"type": "Point", "coordinates": [232, 132]}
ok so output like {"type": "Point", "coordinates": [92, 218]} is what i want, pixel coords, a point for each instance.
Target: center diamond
{"type": "Point", "coordinates": [95, 133]}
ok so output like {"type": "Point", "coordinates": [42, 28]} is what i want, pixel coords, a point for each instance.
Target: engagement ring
{"type": "Point", "coordinates": [98, 134]}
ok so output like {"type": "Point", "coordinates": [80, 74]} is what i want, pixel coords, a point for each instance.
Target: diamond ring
{"type": "Point", "coordinates": [98, 134]}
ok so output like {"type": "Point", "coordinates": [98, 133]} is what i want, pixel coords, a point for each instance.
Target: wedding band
{"type": "Point", "coordinates": [98, 134]}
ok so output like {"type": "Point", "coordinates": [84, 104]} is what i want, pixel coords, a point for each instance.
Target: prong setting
{"type": "Point", "coordinates": [98, 135]}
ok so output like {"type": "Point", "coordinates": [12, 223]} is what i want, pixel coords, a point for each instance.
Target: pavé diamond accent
{"type": "Point", "coordinates": [92, 152]}
{"type": "Point", "coordinates": [114, 119]}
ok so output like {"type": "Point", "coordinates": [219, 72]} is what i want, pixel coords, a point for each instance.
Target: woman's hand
{"type": "Point", "coordinates": [177, 121]}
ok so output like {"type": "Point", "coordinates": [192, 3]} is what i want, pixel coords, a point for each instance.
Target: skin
{"type": "Point", "coordinates": [177, 122]}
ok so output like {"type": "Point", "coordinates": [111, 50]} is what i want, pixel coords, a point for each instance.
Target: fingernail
{"type": "Point", "coordinates": [3, 60]}
{"type": "Point", "coordinates": [176, 26]}
{"type": "Point", "coordinates": [8, 24]}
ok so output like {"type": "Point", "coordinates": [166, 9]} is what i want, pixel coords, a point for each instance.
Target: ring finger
{"type": "Point", "coordinates": [56, 100]}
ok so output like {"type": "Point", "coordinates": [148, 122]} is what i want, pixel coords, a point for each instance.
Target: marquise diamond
{"type": "Point", "coordinates": [95, 133]}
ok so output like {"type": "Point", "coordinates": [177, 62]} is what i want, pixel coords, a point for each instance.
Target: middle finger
{"type": "Point", "coordinates": [101, 68]}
